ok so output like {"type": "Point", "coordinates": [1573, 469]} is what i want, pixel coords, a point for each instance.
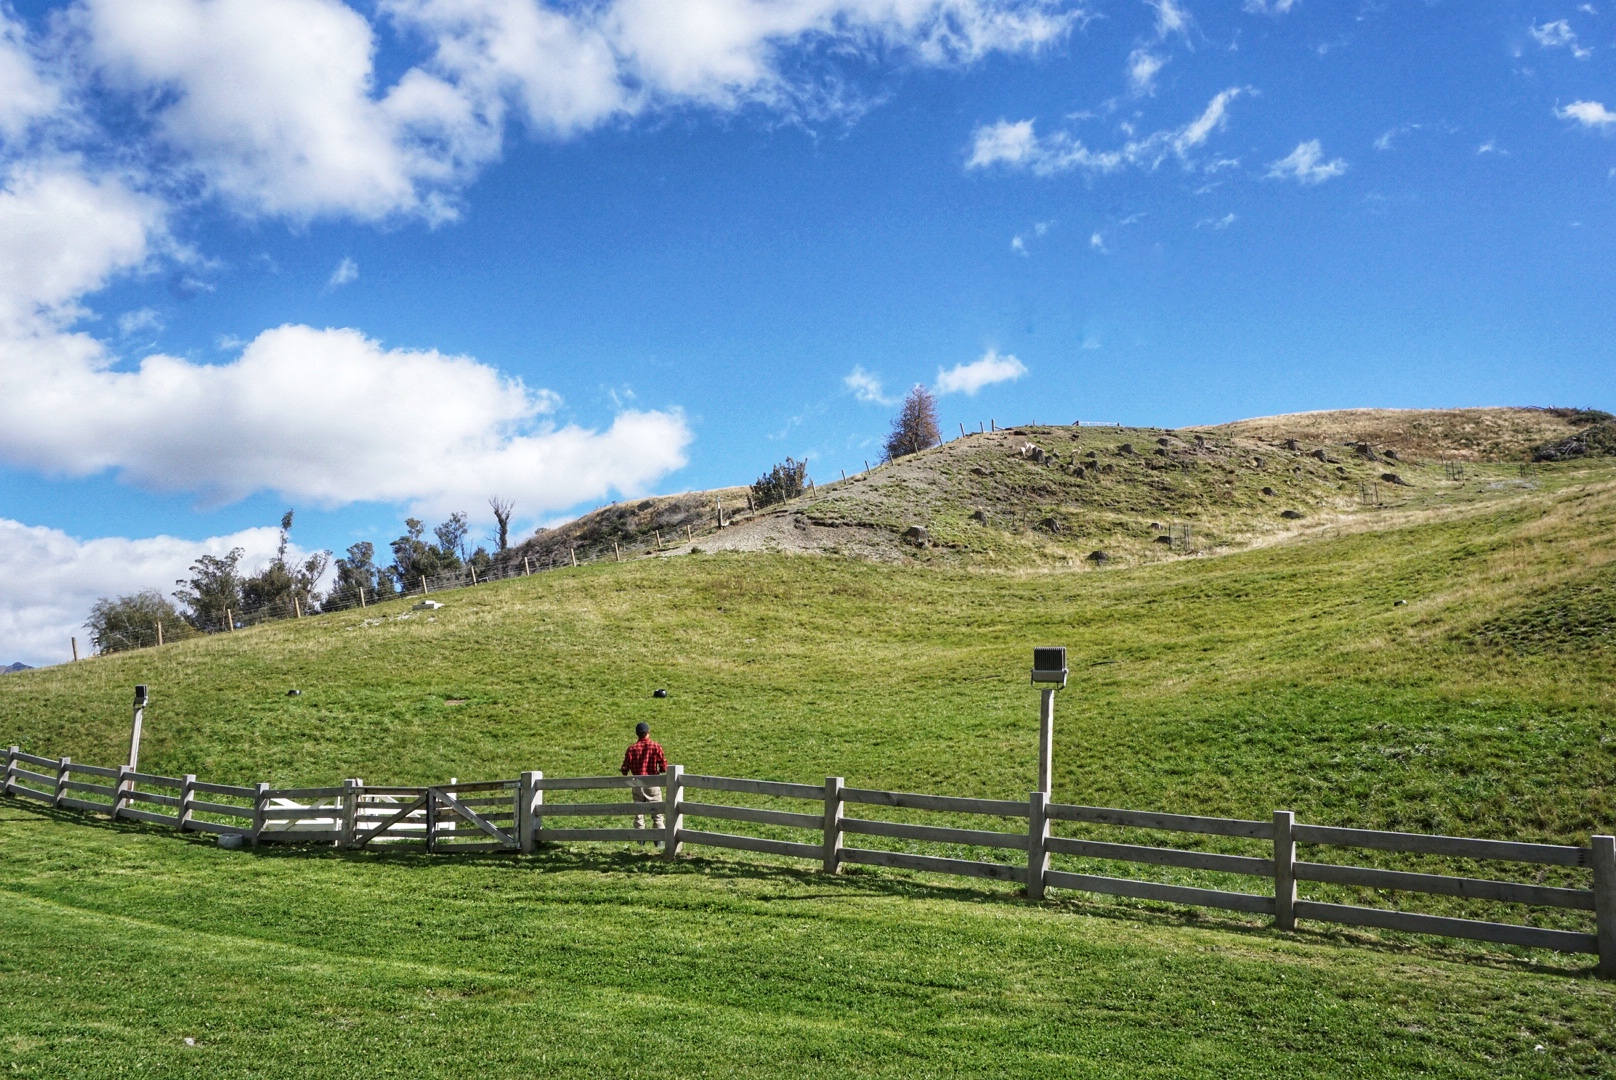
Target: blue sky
{"type": "Point", "coordinates": [396, 257]}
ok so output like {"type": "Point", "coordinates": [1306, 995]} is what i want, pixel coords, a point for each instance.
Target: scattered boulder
{"type": "Point", "coordinates": [1099, 558]}
{"type": "Point", "coordinates": [917, 535]}
{"type": "Point", "coordinates": [1291, 515]}
{"type": "Point", "coordinates": [1125, 448]}
{"type": "Point", "coordinates": [1108, 469]}
{"type": "Point", "coordinates": [1164, 441]}
{"type": "Point", "coordinates": [1156, 526]}
{"type": "Point", "coordinates": [1200, 440]}
{"type": "Point", "coordinates": [1320, 454]}
{"type": "Point", "coordinates": [1390, 455]}
{"type": "Point", "coordinates": [1256, 462]}
{"type": "Point", "coordinates": [1050, 525]}
{"type": "Point", "coordinates": [1365, 451]}
{"type": "Point", "coordinates": [1162, 539]}
{"type": "Point", "coordinates": [979, 470]}
{"type": "Point", "coordinates": [980, 516]}
{"type": "Point", "coordinates": [1270, 492]}
{"type": "Point", "coordinates": [1079, 471]}
{"type": "Point", "coordinates": [1292, 444]}
{"type": "Point", "coordinates": [1393, 478]}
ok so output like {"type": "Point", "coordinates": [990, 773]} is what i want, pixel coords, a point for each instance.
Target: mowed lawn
{"type": "Point", "coordinates": [1448, 673]}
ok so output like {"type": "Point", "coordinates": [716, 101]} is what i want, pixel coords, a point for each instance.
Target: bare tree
{"type": "Point", "coordinates": [915, 427]}
{"type": "Point", "coordinates": [502, 514]}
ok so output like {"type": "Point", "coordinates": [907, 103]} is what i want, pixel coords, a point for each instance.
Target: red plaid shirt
{"type": "Point", "coordinates": [644, 758]}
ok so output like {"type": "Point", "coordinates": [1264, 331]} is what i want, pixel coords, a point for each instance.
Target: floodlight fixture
{"type": "Point", "coordinates": [1049, 666]}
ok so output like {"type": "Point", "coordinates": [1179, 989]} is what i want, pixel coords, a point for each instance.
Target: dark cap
{"type": "Point", "coordinates": [642, 728]}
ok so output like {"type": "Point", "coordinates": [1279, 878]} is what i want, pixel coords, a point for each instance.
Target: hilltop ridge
{"type": "Point", "coordinates": [1074, 495]}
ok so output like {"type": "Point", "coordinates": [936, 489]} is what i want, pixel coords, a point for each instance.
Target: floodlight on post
{"type": "Point", "coordinates": [1048, 673]}
{"type": "Point", "coordinates": [134, 728]}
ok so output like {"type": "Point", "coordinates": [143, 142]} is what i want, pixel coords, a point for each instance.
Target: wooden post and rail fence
{"type": "Point", "coordinates": [515, 815]}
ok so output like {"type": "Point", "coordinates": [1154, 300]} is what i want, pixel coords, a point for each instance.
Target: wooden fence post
{"type": "Point", "coordinates": [431, 821]}
{"type": "Point", "coordinates": [1604, 864]}
{"type": "Point", "coordinates": [187, 801]}
{"type": "Point", "coordinates": [529, 796]}
{"type": "Point", "coordinates": [120, 797]}
{"type": "Point", "coordinates": [833, 825]}
{"type": "Point", "coordinates": [350, 811]}
{"type": "Point", "coordinates": [573, 551]}
{"type": "Point", "coordinates": [11, 769]}
{"type": "Point", "coordinates": [260, 811]}
{"type": "Point", "coordinates": [361, 598]}
{"type": "Point", "coordinates": [63, 768]}
{"type": "Point", "coordinates": [673, 811]}
{"type": "Point", "coordinates": [1037, 844]}
{"type": "Point", "coordinates": [1285, 869]}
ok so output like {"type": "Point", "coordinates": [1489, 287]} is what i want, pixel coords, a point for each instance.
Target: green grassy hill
{"type": "Point", "coordinates": [1444, 664]}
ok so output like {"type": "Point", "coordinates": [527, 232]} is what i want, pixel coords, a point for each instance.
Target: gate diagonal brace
{"type": "Point", "coordinates": [487, 827]}
{"type": "Point", "coordinates": [390, 822]}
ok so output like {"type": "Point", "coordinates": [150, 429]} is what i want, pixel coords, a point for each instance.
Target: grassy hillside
{"type": "Point", "coordinates": [1446, 664]}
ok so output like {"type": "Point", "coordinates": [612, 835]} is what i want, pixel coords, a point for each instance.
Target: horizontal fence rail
{"type": "Point", "coordinates": [515, 815]}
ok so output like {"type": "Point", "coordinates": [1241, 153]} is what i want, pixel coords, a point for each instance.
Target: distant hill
{"type": "Point", "coordinates": [18, 666]}
{"type": "Point", "coordinates": [1040, 495]}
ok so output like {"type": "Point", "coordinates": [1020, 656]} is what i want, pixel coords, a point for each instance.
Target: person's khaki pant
{"type": "Point", "coordinates": [648, 795]}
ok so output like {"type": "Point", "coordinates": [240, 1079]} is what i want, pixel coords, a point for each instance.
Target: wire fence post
{"type": "Point", "coordinates": [832, 857]}
{"type": "Point", "coordinates": [673, 817]}
{"type": "Point", "coordinates": [1284, 869]}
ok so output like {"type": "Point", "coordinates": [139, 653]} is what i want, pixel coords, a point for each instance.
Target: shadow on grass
{"type": "Point", "coordinates": [643, 861]}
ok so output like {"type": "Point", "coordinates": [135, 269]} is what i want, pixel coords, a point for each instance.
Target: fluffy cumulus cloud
{"type": "Point", "coordinates": [388, 424]}
{"type": "Point", "coordinates": [989, 369]}
{"type": "Point", "coordinates": [866, 387]}
{"type": "Point", "coordinates": [1017, 145]}
{"type": "Point", "coordinates": [1306, 165]}
{"type": "Point", "coordinates": [1559, 35]}
{"type": "Point", "coordinates": [25, 95]}
{"type": "Point", "coordinates": [1590, 114]}
{"type": "Point", "coordinates": [49, 580]}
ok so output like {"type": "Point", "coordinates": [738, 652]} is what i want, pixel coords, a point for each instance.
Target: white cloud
{"type": "Point", "coordinates": [64, 234]}
{"type": "Point", "coordinates": [49, 580]}
{"type": "Point", "coordinates": [1305, 165]}
{"type": "Point", "coordinates": [25, 94]}
{"type": "Point", "coordinates": [144, 320]}
{"type": "Point", "coordinates": [1097, 242]}
{"type": "Point", "coordinates": [1170, 18]}
{"type": "Point", "coordinates": [1017, 145]}
{"type": "Point", "coordinates": [866, 387]}
{"type": "Point", "coordinates": [1143, 65]}
{"type": "Point", "coordinates": [1018, 244]}
{"type": "Point", "coordinates": [1217, 223]}
{"type": "Point", "coordinates": [969, 378]}
{"type": "Point", "coordinates": [570, 68]}
{"type": "Point", "coordinates": [1269, 7]}
{"type": "Point", "coordinates": [273, 102]}
{"type": "Point", "coordinates": [347, 271]}
{"type": "Point", "coordinates": [436, 431]}
{"type": "Point", "coordinates": [1557, 35]}
{"type": "Point", "coordinates": [1591, 114]}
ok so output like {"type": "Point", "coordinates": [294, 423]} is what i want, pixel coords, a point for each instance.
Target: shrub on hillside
{"type": "Point", "coordinates": [784, 481]}
{"type": "Point", "coordinates": [1597, 441]}
{"type": "Point", "coordinates": [130, 622]}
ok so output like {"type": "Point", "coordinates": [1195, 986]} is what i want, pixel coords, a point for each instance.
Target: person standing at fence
{"type": "Point", "coordinates": [644, 758]}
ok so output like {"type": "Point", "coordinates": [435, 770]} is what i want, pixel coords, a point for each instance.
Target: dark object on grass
{"type": "Point", "coordinates": [1291, 515]}
{"type": "Point", "coordinates": [1365, 451]}
{"type": "Point", "coordinates": [1393, 478]}
{"type": "Point", "coordinates": [1050, 525]}
{"type": "Point", "coordinates": [1597, 441]}
{"type": "Point", "coordinates": [1292, 444]}
{"type": "Point", "coordinates": [1162, 539]}
{"type": "Point", "coordinates": [1125, 448]}
{"type": "Point", "coordinates": [659, 692]}
{"type": "Point", "coordinates": [917, 535]}
{"type": "Point", "coordinates": [1098, 557]}
{"type": "Point", "coordinates": [979, 516]}
{"type": "Point", "coordinates": [1268, 491]}
{"type": "Point", "coordinates": [294, 693]}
